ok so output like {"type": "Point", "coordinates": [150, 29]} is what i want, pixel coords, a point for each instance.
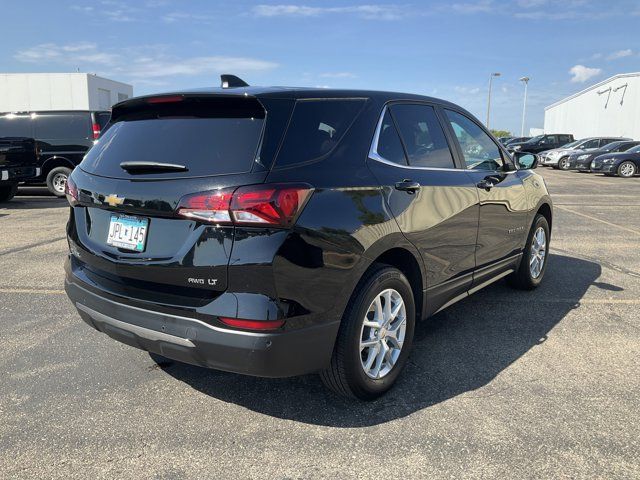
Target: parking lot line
{"type": "Point", "coordinates": [631, 230]}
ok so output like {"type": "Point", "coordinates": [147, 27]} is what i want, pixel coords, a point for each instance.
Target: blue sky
{"type": "Point", "coordinates": [440, 48]}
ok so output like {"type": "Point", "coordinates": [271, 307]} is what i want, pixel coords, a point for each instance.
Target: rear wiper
{"type": "Point", "coordinates": [152, 167]}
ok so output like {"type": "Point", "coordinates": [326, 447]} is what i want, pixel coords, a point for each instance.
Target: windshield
{"type": "Point", "coordinates": [572, 144]}
{"type": "Point", "coordinates": [612, 146]}
{"type": "Point", "coordinates": [535, 139]}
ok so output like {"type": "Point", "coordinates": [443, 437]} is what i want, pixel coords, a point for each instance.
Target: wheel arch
{"type": "Point", "coordinates": [545, 210]}
{"type": "Point", "coordinates": [55, 162]}
{"type": "Point", "coordinates": [407, 262]}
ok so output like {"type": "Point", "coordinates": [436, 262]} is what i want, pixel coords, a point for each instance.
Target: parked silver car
{"type": "Point", "coordinates": [559, 157]}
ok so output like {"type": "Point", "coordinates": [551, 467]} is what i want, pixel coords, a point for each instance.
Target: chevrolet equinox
{"type": "Point", "coordinates": [283, 231]}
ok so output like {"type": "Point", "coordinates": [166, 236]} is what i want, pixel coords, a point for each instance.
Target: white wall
{"type": "Point", "coordinates": [56, 91]}
{"type": "Point", "coordinates": [98, 87]}
{"type": "Point", "coordinates": [591, 114]}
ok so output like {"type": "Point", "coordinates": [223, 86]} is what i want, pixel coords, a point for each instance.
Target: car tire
{"type": "Point", "coordinates": [350, 372]}
{"type": "Point", "coordinates": [7, 192]}
{"type": "Point", "coordinates": [627, 169]}
{"type": "Point", "coordinates": [526, 277]}
{"type": "Point", "coordinates": [564, 164]}
{"type": "Point", "coordinates": [57, 179]}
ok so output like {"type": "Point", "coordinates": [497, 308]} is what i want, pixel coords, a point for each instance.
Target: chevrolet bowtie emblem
{"type": "Point", "coordinates": [113, 200]}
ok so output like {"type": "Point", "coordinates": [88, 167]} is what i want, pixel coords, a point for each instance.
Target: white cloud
{"type": "Point", "coordinates": [338, 75]}
{"type": "Point", "coordinates": [144, 64]}
{"type": "Point", "coordinates": [620, 54]}
{"type": "Point", "coordinates": [175, 17]}
{"type": "Point", "coordinates": [370, 12]}
{"type": "Point", "coordinates": [466, 90]}
{"type": "Point", "coordinates": [481, 6]}
{"type": "Point", "coordinates": [581, 74]}
{"type": "Point", "coordinates": [157, 67]}
{"type": "Point", "coordinates": [72, 54]}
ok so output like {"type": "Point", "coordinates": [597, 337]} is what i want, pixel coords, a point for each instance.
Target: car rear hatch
{"type": "Point", "coordinates": [139, 226]}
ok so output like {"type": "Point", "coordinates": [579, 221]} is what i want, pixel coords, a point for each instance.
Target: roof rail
{"type": "Point", "coordinates": [231, 81]}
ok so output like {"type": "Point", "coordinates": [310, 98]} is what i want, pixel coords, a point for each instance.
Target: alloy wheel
{"type": "Point", "coordinates": [538, 252]}
{"type": "Point", "coordinates": [627, 169]}
{"type": "Point", "coordinates": [382, 334]}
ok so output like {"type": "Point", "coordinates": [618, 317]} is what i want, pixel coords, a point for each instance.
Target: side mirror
{"type": "Point", "coordinates": [525, 161]}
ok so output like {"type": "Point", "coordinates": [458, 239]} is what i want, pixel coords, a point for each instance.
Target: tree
{"type": "Point", "coordinates": [500, 133]}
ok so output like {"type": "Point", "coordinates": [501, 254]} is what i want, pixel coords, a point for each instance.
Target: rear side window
{"type": "Point", "coordinates": [422, 136]}
{"type": "Point", "coordinates": [315, 128]}
{"type": "Point", "coordinates": [62, 126]}
{"type": "Point", "coordinates": [15, 126]}
{"type": "Point", "coordinates": [590, 144]}
{"type": "Point", "coordinates": [209, 137]}
{"type": "Point", "coordinates": [389, 145]}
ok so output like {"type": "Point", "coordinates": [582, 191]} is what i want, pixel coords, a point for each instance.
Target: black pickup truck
{"type": "Point", "coordinates": [18, 163]}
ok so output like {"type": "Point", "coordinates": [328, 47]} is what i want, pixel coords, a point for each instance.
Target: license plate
{"type": "Point", "coordinates": [129, 233]}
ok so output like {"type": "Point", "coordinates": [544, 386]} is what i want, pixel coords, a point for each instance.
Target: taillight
{"type": "Point", "coordinates": [252, 324]}
{"type": "Point", "coordinates": [71, 192]}
{"type": "Point", "coordinates": [267, 205]}
{"type": "Point", "coordinates": [207, 206]}
{"type": "Point", "coordinates": [96, 130]}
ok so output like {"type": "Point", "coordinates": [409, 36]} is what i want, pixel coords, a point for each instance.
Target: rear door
{"type": "Point", "coordinates": [434, 202]}
{"type": "Point", "coordinates": [503, 200]}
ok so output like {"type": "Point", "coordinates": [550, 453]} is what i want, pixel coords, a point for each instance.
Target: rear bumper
{"type": "Point", "coordinates": [18, 174]}
{"type": "Point", "coordinates": [190, 340]}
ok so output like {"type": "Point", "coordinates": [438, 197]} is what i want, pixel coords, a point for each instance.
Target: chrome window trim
{"type": "Point", "coordinates": [374, 155]}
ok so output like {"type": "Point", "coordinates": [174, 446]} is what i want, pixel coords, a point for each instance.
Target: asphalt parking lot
{"type": "Point", "coordinates": [504, 384]}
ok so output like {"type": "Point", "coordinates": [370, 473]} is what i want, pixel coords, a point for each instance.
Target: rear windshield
{"type": "Point", "coordinates": [15, 126]}
{"type": "Point", "coordinates": [316, 127]}
{"type": "Point", "coordinates": [213, 137]}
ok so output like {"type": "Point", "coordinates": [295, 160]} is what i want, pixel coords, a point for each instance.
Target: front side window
{"type": "Point", "coordinates": [479, 150]}
{"type": "Point", "coordinates": [315, 128]}
{"type": "Point", "coordinates": [62, 126]}
{"type": "Point", "coordinates": [422, 135]}
{"type": "Point", "coordinates": [590, 144]}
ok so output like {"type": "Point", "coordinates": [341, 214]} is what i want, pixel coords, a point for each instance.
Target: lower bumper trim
{"type": "Point", "coordinates": [146, 333]}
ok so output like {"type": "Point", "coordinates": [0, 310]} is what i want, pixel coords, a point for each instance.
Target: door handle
{"type": "Point", "coordinates": [486, 183]}
{"type": "Point", "coordinates": [408, 186]}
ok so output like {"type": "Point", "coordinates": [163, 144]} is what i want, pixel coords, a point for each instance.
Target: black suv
{"type": "Point", "coordinates": [281, 231]}
{"type": "Point", "coordinates": [541, 143]}
{"type": "Point", "coordinates": [62, 139]}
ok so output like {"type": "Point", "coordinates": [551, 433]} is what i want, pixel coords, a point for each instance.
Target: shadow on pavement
{"type": "Point", "coordinates": [459, 350]}
{"type": "Point", "coordinates": [32, 198]}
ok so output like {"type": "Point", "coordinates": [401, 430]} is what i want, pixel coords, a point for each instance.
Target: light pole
{"type": "Point", "coordinates": [495, 74]}
{"type": "Point", "coordinates": [524, 106]}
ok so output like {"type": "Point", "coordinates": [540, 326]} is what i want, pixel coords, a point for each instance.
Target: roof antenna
{"type": "Point", "coordinates": [231, 81]}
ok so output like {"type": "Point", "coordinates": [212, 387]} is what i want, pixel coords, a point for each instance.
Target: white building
{"type": "Point", "coordinates": [21, 92]}
{"type": "Point", "coordinates": [608, 108]}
